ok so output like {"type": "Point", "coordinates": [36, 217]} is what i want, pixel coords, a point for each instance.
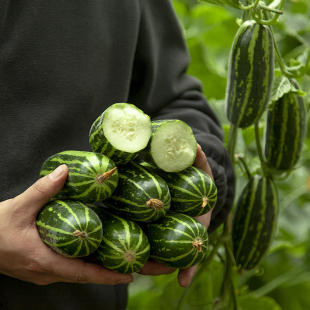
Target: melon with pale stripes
{"type": "Point", "coordinates": [70, 228]}
{"type": "Point", "coordinates": [92, 176]}
{"type": "Point", "coordinates": [120, 132]}
{"type": "Point", "coordinates": [172, 146]}
{"type": "Point", "coordinates": [250, 74]}
{"type": "Point", "coordinates": [177, 240]}
{"type": "Point", "coordinates": [192, 191]}
{"type": "Point", "coordinates": [285, 131]}
{"type": "Point", "coordinates": [255, 222]}
{"type": "Point", "coordinates": [140, 195]}
{"type": "Point", "coordinates": [125, 247]}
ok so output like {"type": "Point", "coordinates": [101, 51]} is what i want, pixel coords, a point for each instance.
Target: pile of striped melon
{"type": "Point", "coordinates": [133, 198]}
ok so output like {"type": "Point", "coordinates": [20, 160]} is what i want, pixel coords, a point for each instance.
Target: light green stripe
{"type": "Point", "coordinates": [297, 132]}
{"type": "Point", "coordinates": [111, 244]}
{"type": "Point", "coordinates": [134, 183]}
{"type": "Point", "coordinates": [152, 176]}
{"type": "Point", "coordinates": [72, 213]}
{"type": "Point", "coordinates": [173, 259]}
{"type": "Point", "coordinates": [182, 190]}
{"type": "Point", "coordinates": [253, 41]}
{"type": "Point", "coordinates": [189, 181]}
{"type": "Point", "coordinates": [283, 131]}
{"type": "Point", "coordinates": [61, 244]}
{"type": "Point", "coordinates": [260, 223]}
{"type": "Point", "coordinates": [39, 223]}
{"type": "Point", "coordinates": [252, 190]}
{"type": "Point", "coordinates": [78, 249]}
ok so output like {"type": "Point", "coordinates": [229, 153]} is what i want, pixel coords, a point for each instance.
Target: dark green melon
{"type": "Point", "coordinates": [192, 191]}
{"type": "Point", "coordinates": [70, 228]}
{"type": "Point", "coordinates": [140, 196]}
{"type": "Point", "coordinates": [285, 134]}
{"type": "Point", "coordinates": [124, 247]}
{"type": "Point", "coordinates": [177, 240]}
{"type": "Point", "coordinates": [250, 74]}
{"type": "Point", "coordinates": [255, 222]}
{"type": "Point", "coordinates": [92, 177]}
{"type": "Point", "coordinates": [120, 132]}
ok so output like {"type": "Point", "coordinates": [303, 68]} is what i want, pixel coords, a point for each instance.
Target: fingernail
{"type": "Point", "coordinates": [56, 173]}
{"type": "Point", "coordinates": [125, 281]}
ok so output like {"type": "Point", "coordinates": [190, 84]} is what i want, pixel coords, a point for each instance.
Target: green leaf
{"type": "Point", "coordinates": [281, 86]}
{"type": "Point", "coordinates": [251, 303]}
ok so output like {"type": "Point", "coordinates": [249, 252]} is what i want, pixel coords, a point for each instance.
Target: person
{"type": "Point", "coordinates": [62, 63]}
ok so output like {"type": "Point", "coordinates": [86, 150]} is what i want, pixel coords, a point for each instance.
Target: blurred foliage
{"type": "Point", "coordinates": [283, 279]}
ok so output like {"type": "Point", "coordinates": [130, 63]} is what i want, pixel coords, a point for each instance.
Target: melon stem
{"type": "Point", "coordinates": [106, 175]}
{"type": "Point", "coordinates": [197, 244]}
{"type": "Point", "coordinates": [155, 203]}
{"type": "Point", "coordinates": [81, 234]}
{"type": "Point", "coordinates": [129, 256]}
{"type": "Point", "coordinates": [204, 202]}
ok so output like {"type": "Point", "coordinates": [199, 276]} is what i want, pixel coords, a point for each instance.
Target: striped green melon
{"type": "Point", "coordinates": [172, 146]}
{"type": "Point", "coordinates": [254, 222]}
{"type": "Point", "coordinates": [140, 195]}
{"type": "Point", "coordinates": [120, 132]}
{"type": "Point", "coordinates": [70, 228]}
{"type": "Point", "coordinates": [92, 177]}
{"type": "Point", "coordinates": [192, 191]}
{"type": "Point", "coordinates": [285, 131]}
{"type": "Point", "coordinates": [124, 247]}
{"type": "Point", "coordinates": [177, 240]}
{"type": "Point", "coordinates": [250, 74]}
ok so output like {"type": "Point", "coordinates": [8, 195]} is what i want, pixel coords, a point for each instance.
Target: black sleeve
{"type": "Point", "coordinates": [162, 88]}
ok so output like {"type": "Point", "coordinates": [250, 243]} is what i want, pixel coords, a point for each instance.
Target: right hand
{"type": "Point", "coordinates": [23, 255]}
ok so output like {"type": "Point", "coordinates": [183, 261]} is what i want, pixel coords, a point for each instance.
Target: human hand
{"type": "Point", "coordinates": [184, 275]}
{"type": "Point", "coordinates": [23, 255]}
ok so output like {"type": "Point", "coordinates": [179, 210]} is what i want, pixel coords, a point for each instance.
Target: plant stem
{"type": "Point", "coordinates": [248, 7]}
{"type": "Point", "coordinates": [259, 150]}
{"type": "Point", "coordinates": [244, 165]}
{"type": "Point", "coordinates": [199, 272]}
{"type": "Point", "coordinates": [231, 143]}
{"type": "Point", "coordinates": [274, 18]}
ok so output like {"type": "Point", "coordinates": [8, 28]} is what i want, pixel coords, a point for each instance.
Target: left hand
{"type": "Point", "coordinates": [185, 275]}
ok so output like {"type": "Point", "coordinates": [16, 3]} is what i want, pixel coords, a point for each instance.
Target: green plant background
{"type": "Point", "coordinates": [283, 279]}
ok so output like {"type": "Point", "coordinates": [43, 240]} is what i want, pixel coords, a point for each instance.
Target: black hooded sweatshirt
{"type": "Point", "coordinates": [62, 63]}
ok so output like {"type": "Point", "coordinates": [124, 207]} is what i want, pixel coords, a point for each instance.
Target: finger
{"type": "Point", "coordinates": [78, 271]}
{"type": "Point", "coordinates": [205, 219]}
{"type": "Point", "coordinates": [153, 268]}
{"type": "Point", "coordinates": [201, 162]}
{"type": "Point", "coordinates": [185, 275]}
{"type": "Point", "coordinates": [37, 195]}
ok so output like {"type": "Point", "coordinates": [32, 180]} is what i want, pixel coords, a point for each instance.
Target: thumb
{"type": "Point", "coordinates": [40, 193]}
{"type": "Point", "coordinates": [201, 162]}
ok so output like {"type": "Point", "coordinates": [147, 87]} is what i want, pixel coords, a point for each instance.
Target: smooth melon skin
{"type": "Point", "coordinates": [92, 177]}
{"type": "Point", "coordinates": [255, 221]}
{"type": "Point", "coordinates": [177, 240]}
{"type": "Point", "coordinates": [250, 74]}
{"type": "Point", "coordinates": [172, 146]}
{"type": "Point", "coordinates": [124, 247]}
{"type": "Point", "coordinates": [120, 132]}
{"type": "Point", "coordinates": [70, 228]}
{"type": "Point", "coordinates": [285, 132]}
{"type": "Point", "coordinates": [140, 196]}
{"type": "Point", "coordinates": [192, 191]}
